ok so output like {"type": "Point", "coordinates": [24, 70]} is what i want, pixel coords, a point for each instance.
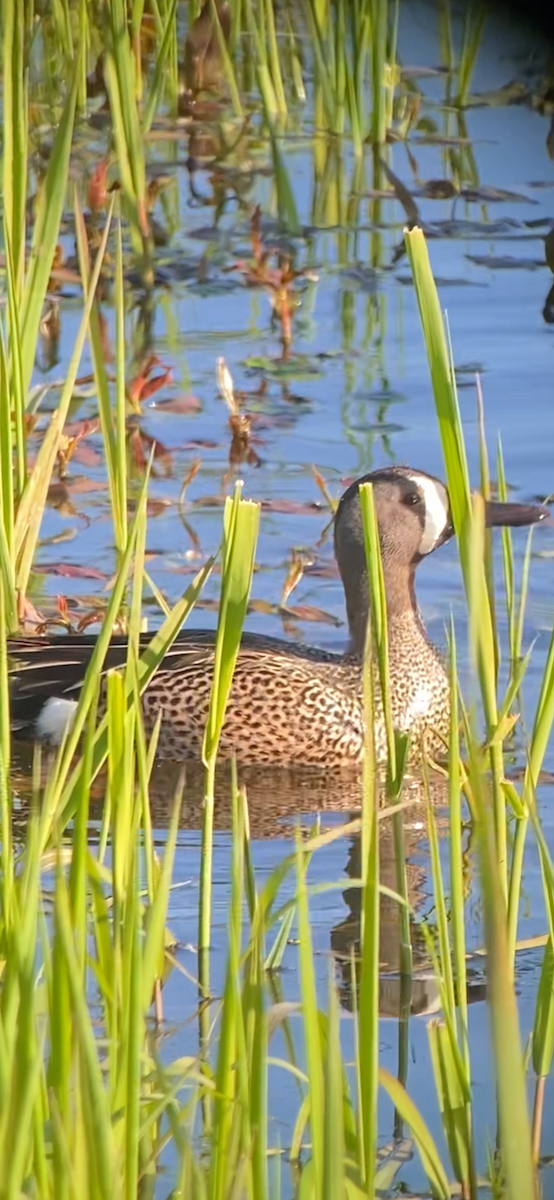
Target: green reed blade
{"type": "Point", "coordinates": [274, 59]}
{"type": "Point", "coordinates": [543, 1030]}
{"type": "Point", "coordinates": [457, 855]}
{"type": "Point", "coordinates": [7, 508]}
{"type": "Point", "coordinates": [367, 1025]}
{"type": "Point", "coordinates": [543, 1043]}
{"type": "Point", "coordinates": [78, 869]}
{"type": "Point", "coordinates": [333, 1133]}
{"type": "Point", "coordinates": [120, 72]}
{"type": "Point", "coordinates": [157, 911]}
{"type": "Point", "coordinates": [467, 512]}
{"type": "Point", "coordinates": [113, 425]}
{"type": "Point", "coordinates": [427, 1149]}
{"type": "Point", "coordinates": [485, 483]}
{"type": "Point", "coordinates": [310, 1018]}
{"type": "Point", "coordinates": [6, 848]}
{"type": "Point", "coordinates": [15, 109]}
{"type": "Point", "coordinates": [94, 668]}
{"type": "Point", "coordinates": [473, 33]}
{"type": "Point", "coordinates": [156, 89]}
{"type": "Point", "coordinates": [448, 413]}
{"type": "Point", "coordinates": [149, 662]}
{"type": "Point", "coordinates": [507, 555]}
{"type": "Point", "coordinates": [18, 994]}
{"type": "Point", "coordinates": [441, 917]}
{"type": "Point", "coordinates": [16, 399]}
{"type": "Point", "coordinates": [48, 214]}
{"type": "Point", "coordinates": [31, 508]}
{"type": "Point", "coordinates": [231, 1082]}
{"type": "Point", "coordinates": [452, 1097]}
{"type": "Point", "coordinates": [240, 532]}
{"type": "Point", "coordinates": [227, 62]}
{"type": "Point", "coordinates": [379, 28]}
{"type": "Point", "coordinates": [542, 725]}
{"type": "Point", "coordinates": [134, 1034]}
{"type": "Point", "coordinates": [514, 1130]}
{"type": "Point", "coordinates": [96, 1113]}
{"type": "Point", "coordinates": [397, 742]}
{"type": "Point", "coordinates": [524, 587]}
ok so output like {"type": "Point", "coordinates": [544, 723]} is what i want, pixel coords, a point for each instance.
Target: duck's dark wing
{"type": "Point", "coordinates": [44, 669]}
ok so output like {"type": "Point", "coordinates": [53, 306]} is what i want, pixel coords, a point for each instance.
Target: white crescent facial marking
{"type": "Point", "coordinates": [55, 717]}
{"type": "Point", "coordinates": [436, 511]}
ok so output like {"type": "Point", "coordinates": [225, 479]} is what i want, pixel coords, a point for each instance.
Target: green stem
{"type": "Point", "coordinates": [205, 908]}
{"type": "Point", "coordinates": [515, 885]}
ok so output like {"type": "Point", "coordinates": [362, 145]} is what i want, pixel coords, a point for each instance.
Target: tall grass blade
{"type": "Point", "coordinates": [48, 214]}
{"type": "Point", "coordinates": [428, 1152]}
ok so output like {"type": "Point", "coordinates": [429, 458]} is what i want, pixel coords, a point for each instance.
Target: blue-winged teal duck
{"type": "Point", "coordinates": [289, 703]}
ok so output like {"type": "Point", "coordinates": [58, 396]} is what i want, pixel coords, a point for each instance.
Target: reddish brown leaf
{"type": "Point", "coordinates": [91, 618]}
{"type": "Point", "coordinates": [308, 612]}
{"type": "Point", "coordinates": [80, 429]}
{"type": "Point", "coordinates": [179, 404]}
{"type": "Point", "coordinates": [81, 485]}
{"type": "Point", "coordinates": [70, 571]}
{"type": "Point", "coordinates": [291, 506]}
{"type": "Point", "coordinates": [87, 456]}
{"type": "Point", "coordinates": [30, 619]}
{"type": "Point", "coordinates": [151, 386]}
{"type": "Point", "coordinates": [142, 387]}
{"type": "Point", "coordinates": [97, 190]}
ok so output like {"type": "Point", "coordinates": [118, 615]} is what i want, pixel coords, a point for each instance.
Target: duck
{"type": "Point", "coordinates": [204, 68]}
{"type": "Point", "coordinates": [289, 703]}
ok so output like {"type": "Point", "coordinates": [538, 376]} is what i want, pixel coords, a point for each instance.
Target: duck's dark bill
{"type": "Point", "coordinates": [514, 514]}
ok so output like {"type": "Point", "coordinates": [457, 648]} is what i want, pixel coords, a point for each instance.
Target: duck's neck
{"type": "Point", "coordinates": [402, 610]}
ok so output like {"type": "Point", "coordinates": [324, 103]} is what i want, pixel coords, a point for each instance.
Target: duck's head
{"type": "Point", "coordinates": [413, 515]}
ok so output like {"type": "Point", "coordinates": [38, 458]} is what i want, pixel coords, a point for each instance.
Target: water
{"type": "Point", "coordinates": [358, 396]}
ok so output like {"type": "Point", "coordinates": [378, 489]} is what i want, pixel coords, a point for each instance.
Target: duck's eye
{"type": "Point", "coordinates": [411, 499]}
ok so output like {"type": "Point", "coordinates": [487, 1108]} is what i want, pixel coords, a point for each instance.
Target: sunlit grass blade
{"type": "Point", "coordinates": [94, 668]}
{"type": "Point", "coordinates": [7, 508]}
{"type": "Point", "coordinates": [457, 896]}
{"type": "Point", "coordinates": [113, 424]}
{"type": "Point", "coordinates": [120, 74]}
{"type": "Point", "coordinates": [95, 1112]}
{"type": "Point", "coordinates": [150, 660]}
{"type": "Point", "coordinates": [312, 1040]}
{"type": "Point", "coordinates": [543, 1041]}
{"type": "Point", "coordinates": [157, 911]}
{"type": "Point", "coordinates": [48, 213]}
{"type": "Point", "coordinates": [31, 508]}
{"type": "Point", "coordinates": [333, 1134]}
{"type": "Point", "coordinates": [514, 1128]}
{"type": "Point", "coordinates": [467, 512]}
{"type": "Point", "coordinates": [444, 390]}
{"type": "Point", "coordinates": [379, 10]}
{"type": "Point", "coordinates": [542, 725]}
{"type": "Point", "coordinates": [157, 85]}
{"type": "Point", "coordinates": [378, 601]}
{"type": "Point", "coordinates": [427, 1149]}
{"type": "Point", "coordinates": [453, 1103]}
{"type": "Point", "coordinates": [473, 33]}
{"type": "Point", "coordinates": [15, 139]}
{"type": "Point", "coordinates": [16, 439]}
{"type": "Point", "coordinates": [240, 532]}
{"type": "Point", "coordinates": [227, 62]}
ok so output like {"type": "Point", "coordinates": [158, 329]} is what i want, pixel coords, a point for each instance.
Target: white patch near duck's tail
{"type": "Point", "coordinates": [55, 718]}
{"type": "Point", "coordinates": [435, 497]}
